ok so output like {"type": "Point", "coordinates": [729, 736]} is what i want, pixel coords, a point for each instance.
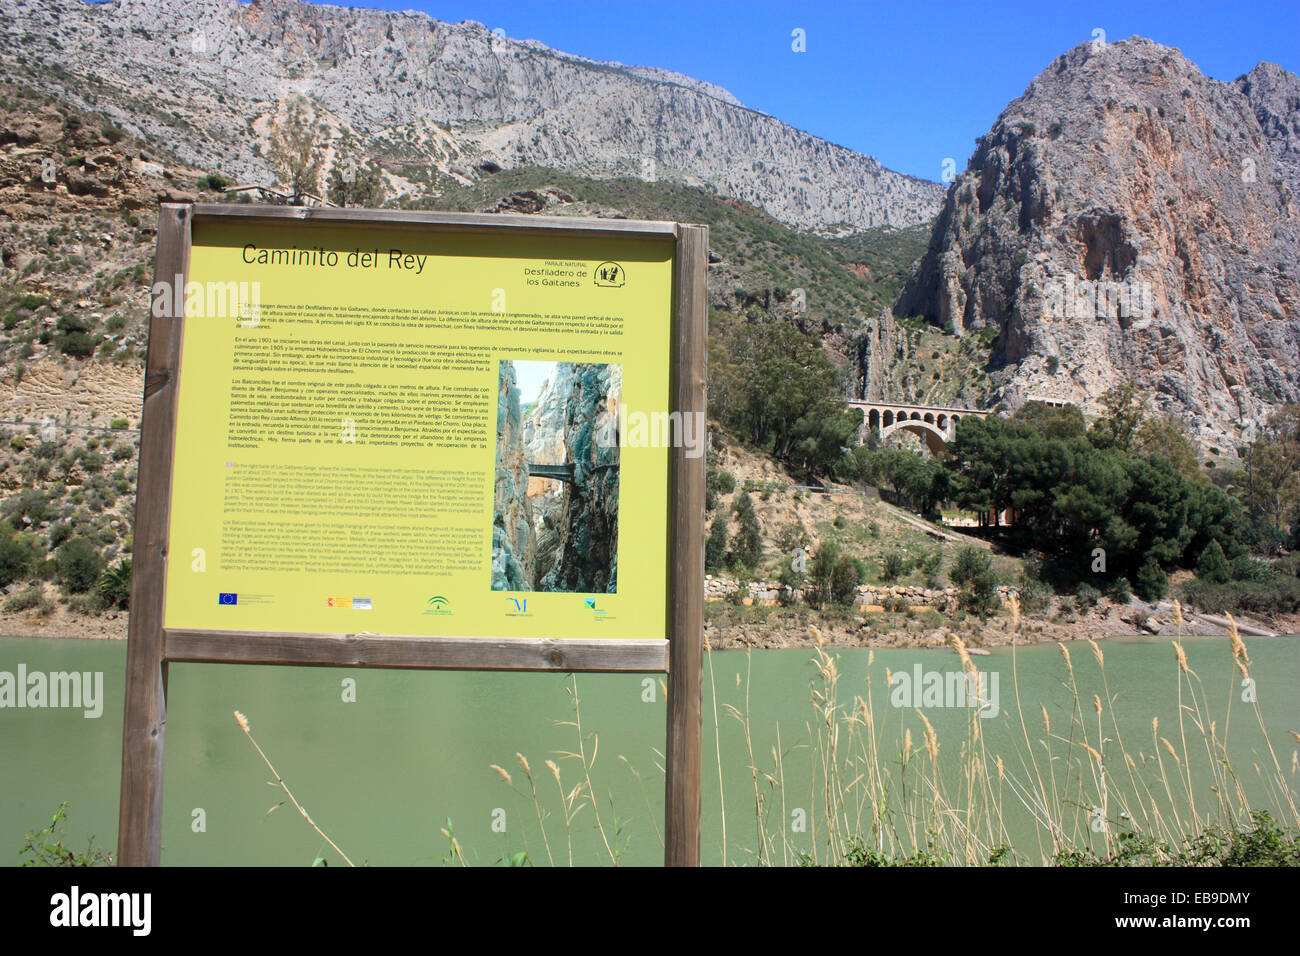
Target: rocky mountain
{"type": "Point", "coordinates": [1128, 218]}
{"type": "Point", "coordinates": [437, 103]}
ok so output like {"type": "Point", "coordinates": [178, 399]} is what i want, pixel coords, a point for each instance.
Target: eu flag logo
{"type": "Point", "coordinates": [227, 598]}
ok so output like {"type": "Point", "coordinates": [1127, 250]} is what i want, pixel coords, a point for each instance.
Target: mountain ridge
{"type": "Point", "coordinates": [212, 75]}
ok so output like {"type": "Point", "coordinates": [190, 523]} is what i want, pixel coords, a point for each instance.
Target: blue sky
{"type": "Point", "coordinates": [910, 83]}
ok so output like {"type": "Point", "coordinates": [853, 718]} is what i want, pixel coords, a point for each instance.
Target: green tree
{"type": "Point", "coordinates": [774, 386]}
{"type": "Point", "coordinates": [114, 586]}
{"type": "Point", "coordinates": [791, 577]}
{"type": "Point", "coordinates": [1052, 421]}
{"type": "Point", "coordinates": [1272, 481]}
{"type": "Point", "coordinates": [967, 564]}
{"type": "Point", "coordinates": [715, 548]}
{"type": "Point", "coordinates": [1151, 582]}
{"type": "Point", "coordinates": [1165, 437]}
{"type": "Point", "coordinates": [931, 566]}
{"type": "Point", "coordinates": [892, 566]}
{"type": "Point", "coordinates": [981, 596]}
{"type": "Point", "coordinates": [1213, 565]}
{"type": "Point", "coordinates": [822, 572]}
{"type": "Point", "coordinates": [747, 544]}
{"type": "Point", "coordinates": [1125, 407]}
{"type": "Point", "coordinates": [845, 580]}
{"type": "Point", "coordinates": [79, 565]}
{"type": "Point", "coordinates": [18, 554]}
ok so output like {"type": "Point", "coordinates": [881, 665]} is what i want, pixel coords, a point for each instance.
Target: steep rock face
{"type": "Point", "coordinates": [882, 348]}
{"type": "Point", "coordinates": [1128, 218]}
{"type": "Point", "coordinates": [513, 536]}
{"type": "Point", "coordinates": [209, 75]}
{"type": "Point", "coordinates": [1274, 94]}
{"type": "Point", "coordinates": [543, 436]}
{"type": "Point", "coordinates": [583, 546]}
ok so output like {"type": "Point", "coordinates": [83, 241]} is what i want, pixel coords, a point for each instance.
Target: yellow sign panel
{"type": "Point", "coordinates": [414, 432]}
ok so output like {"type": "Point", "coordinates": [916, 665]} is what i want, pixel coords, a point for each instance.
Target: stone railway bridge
{"type": "Point", "coordinates": [935, 424]}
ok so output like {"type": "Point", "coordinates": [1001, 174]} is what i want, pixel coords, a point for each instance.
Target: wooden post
{"type": "Point", "coordinates": [684, 753]}
{"type": "Point", "coordinates": [139, 822]}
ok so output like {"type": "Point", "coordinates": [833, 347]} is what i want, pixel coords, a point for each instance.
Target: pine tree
{"type": "Point", "coordinates": [1213, 565]}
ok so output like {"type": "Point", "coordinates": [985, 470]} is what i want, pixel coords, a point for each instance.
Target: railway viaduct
{"type": "Point", "coordinates": [935, 424]}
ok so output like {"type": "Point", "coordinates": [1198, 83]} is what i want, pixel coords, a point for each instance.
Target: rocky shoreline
{"type": "Point", "coordinates": [771, 615]}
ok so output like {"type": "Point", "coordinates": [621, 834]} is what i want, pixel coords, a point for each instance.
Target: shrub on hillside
{"type": "Point", "coordinates": [79, 565]}
{"type": "Point", "coordinates": [892, 566]}
{"type": "Point", "coordinates": [969, 562]}
{"type": "Point", "coordinates": [845, 580]}
{"type": "Point", "coordinates": [980, 596]}
{"type": "Point", "coordinates": [1034, 596]}
{"type": "Point", "coordinates": [1086, 597]}
{"type": "Point", "coordinates": [1212, 565]}
{"type": "Point", "coordinates": [931, 566]}
{"type": "Point", "coordinates": [1152, 582]}
{"type": "Point", "coordinates": [19, 554]}
{"type": "Point", "coordinates": [114, 587]}
{"type": "Point", "coordinates": [1277, 593]}
{"type": "Point", "coordinates": [29, 598]}
{"type": "Point", "coordinates": [822, 572]}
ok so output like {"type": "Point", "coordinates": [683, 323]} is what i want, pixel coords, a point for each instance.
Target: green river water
{"type": "Point", "coordinates": [382, 775]}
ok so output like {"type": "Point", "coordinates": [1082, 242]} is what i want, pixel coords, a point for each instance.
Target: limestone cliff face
{"type": "Point", "coordinates": [1128, 218]}
{"type": "Point", "coordinates": [207, 76]}
{"type": "Point", "coordinates": [543, 439]}
{"type": "Point", "coordinates": [582, 547]}
{"type": "Point", "coordinates": [881, 349]}
{"type": "Point", "coordinates": [513, 536]}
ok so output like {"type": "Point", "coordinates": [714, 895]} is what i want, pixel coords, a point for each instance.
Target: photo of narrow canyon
{"type": "Point", "coordinates": [555, 511]}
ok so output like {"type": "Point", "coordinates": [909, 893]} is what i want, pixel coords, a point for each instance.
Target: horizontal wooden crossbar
{"type": "Point", "coordinates": [419, 653]}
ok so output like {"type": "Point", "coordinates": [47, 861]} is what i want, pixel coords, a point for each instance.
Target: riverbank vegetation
{"type": "Point", "coordinates": [1117, 507]}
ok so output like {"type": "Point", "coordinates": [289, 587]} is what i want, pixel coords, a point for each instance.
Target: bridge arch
{"type": "Point", "coordinates": [935, 439]}
{"type": "Point", "coordinates": [934, 424]}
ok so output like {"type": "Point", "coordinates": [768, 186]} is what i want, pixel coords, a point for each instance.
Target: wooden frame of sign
{"type": "Point", "coordinates": [151, 646]}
